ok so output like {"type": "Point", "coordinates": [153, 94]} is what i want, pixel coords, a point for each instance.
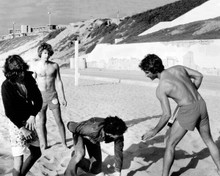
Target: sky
{"type": "Point", "coordinates": [35, 12]}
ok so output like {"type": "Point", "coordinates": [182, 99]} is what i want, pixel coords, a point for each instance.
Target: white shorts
{"type": "Point", "coordinates": [19, 144]}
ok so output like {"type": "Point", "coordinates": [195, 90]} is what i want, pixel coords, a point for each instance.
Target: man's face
{"type": "Point", "coordinates": [20, 78]}
{"type": "Point", "coordinates": [45, 55]}
{"type": "Point", "coordinates": [150, 75]}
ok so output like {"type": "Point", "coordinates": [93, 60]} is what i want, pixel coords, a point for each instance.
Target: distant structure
{"type": "Point", "coordinates": [27, 30]}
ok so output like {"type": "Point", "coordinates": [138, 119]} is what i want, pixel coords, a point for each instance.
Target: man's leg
{"type": "Point", "coordinates": [79, 154]}
{"type": "Point", "coordinates": [176, 134]}
{"type": "Point", "coordinates": [95, 154]}
{"type": "Point", "coordinates": [42, 128]}
{"type": "Point", "coordinates": [60, 124]}
{"type": "Point", "coordinates": [18, 162]}
{"type": "Point", "coordinates": [205, 133]}
{"type": "Point", "coordinates": [35, 153]}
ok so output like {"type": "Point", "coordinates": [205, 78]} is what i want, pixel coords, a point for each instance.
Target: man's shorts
{"type": "Point", "coordinates": [19, 144]}
{"type": "Point", "coordinates": [50, 99]}
{"type": "Point", "coordinates": [193, 115]}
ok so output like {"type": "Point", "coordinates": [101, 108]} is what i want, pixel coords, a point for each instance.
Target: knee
{"type": "Point", "coordinates": [170, 145]}
{"type": "Point", "coordinates": [17, 167]}
{"type": "Point", "coordinates": [36, 152]}
{"type": "Point", "coordinates": [69, 172]}
{"type": "Point", "coordinates": [16, 171]}
{"type": "Point", "coordinates": [96, 167]}
{"type": "Point", "coordinates": [78, 155]}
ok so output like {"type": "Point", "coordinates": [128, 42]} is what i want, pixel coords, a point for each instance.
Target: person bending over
{"type": "Point", "coordinates": [22, 101]}
{"type": "Point", "coordinates": [180, 84]}
{"type": "Point", "coordinates": [89, 134]}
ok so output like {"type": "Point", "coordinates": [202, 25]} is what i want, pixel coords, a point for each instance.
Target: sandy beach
{"type": "Point", "coordinates": [138, 107]}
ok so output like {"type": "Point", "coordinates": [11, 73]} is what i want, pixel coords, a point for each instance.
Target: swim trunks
{"type": "Point", "coordinates": [193, 115]}
{"type": "Point", "coordinates": [50, 99]}
{"type": "Point", "coordinates": [19, 144]}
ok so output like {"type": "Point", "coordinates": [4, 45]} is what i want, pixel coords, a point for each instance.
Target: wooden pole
{"type": "Point", "coordinates": [76, 63]}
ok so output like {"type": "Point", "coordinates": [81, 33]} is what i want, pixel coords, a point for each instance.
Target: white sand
{"type": "Point", "coordinates": [138, 106]}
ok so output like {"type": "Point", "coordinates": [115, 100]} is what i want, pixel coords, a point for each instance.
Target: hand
{"type": "Point", "coordinates": [27, 133]}
{"type": "Point", "coordinates": [148, 135]}
{"type": "Point", "coordinates": [64, 102]}
{"type": "Point", "coordinates": [30, 123]}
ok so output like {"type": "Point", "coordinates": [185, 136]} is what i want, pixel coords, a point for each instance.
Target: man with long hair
{"type": "Point", "coordinates": [22, 101]}
{"type": "Point", "coordinates": [47, 75]}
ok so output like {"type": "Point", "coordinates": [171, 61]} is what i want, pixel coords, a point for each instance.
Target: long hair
{"type": "Point", "coordinates": [45, 46]}
{"type": "Point", "coordinates": [152, 63]}
{"type": "Point", "coordinates": [14, 66]}
{"type": "Point", "coordinates": [114, 125]}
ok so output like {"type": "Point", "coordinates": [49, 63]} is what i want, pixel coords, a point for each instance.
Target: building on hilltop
{"type": "Point", "coordinates": [27, 30]}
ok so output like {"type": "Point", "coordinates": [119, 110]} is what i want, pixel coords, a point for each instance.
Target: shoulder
{"type": "Point", "coordinates": [29, 74]}
{"type": "Point", "coordinates": [176, 68]}
{"type": "Point", "coordinates": [53, 64]}
{"type": "Point", "coordinates": [165, 82]}
{"type": "Point", "coordinates": [164, 87]}
{"type": "Point", "coordinates": [96, 120]}
{"type": "Point", "coordinates": [95, 123]}
{"type": "Point", "coordinates": [29, 77]}
{"type": "Point", "coordinates": [6, 85]}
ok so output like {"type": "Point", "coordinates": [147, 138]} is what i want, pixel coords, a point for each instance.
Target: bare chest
{"type": "Point", "coordinates": [46, 71]}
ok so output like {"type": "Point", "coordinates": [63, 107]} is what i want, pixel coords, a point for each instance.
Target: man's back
{"type": "Point", "coordinates": [177, 84]}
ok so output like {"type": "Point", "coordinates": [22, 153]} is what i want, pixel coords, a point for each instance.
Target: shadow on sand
{"type": "Point", "coordinates": [148, 155]}
{"type": "Point", "coordinates": [204, 153]}
{"type": "Point", "coordinates": [145, 154]}
{"type": "Point", "coordinates": [139, 120]}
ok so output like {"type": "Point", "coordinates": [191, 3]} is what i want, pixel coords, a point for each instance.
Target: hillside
{"type": "Point", "coordinates": [94, 31]}
{"type": "Point", "coordinates": [132, 26]}
{"type": "Point", "coordinates": [200, 30]}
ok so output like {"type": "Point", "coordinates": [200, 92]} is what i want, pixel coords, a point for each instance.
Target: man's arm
{"type": "Point", "coordinates": [60, 85]}
{"type": "Point", "coordinates": [161, 92]}
{"type": "Point", "coordinates": [11, 104]}
{"type": "Point", "coordinates": [119, 144]}
{"type": "Point", "coordinates": [165, 106]}
{"type": "Point", "coordinates": [195, 75]}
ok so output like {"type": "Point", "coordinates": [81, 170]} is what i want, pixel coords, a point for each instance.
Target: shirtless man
{"type": "Point", "coordinates": [180, 84]}
{"type": "Point", "coordinates": [47, 75]}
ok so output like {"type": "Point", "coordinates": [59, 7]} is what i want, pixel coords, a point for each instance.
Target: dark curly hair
{"type": "Point", "coordinates": [114, 125]}
{"type": "Point", "coordinates": [45, 46]}
{"type": "Point", "coordinates": [152, 63]}
{"type": "Point", "coordinates": [14, 66]}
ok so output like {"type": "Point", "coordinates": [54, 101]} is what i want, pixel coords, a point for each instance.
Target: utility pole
{"type": "Point", "coordinates": [76, 62]}
{"type": "Point", "coordinates": [49, 16]}
{"type": "Point", "coordinates": [13, 36]}
{"type": "Point", "coordinates": [118, 15]}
